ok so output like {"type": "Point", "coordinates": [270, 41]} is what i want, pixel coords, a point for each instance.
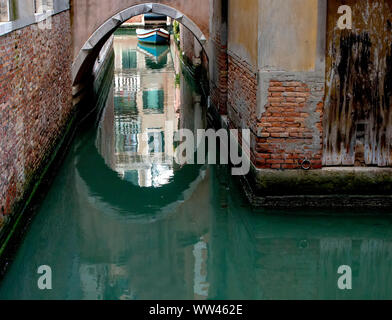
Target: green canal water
{"type": "Point", "coordinates": [119, 224]}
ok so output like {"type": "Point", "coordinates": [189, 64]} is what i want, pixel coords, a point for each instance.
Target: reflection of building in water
{"type": "Point", "coordinates": [189, 101]}
{"type": "Point", "coordinates": [166, 259]}
{"type": "Point", "coordinates": [150, 102]}
{"type": "Point", "coordinates": [145, 97]}
{"type": "Point", "coordinates": [298, 257]}
{"type": "Point", "coordinates": [99, 281]}
{"type": "Point", "coordinates": [200, 287]}
{"type": "Point", "coordinates": [144, 112]}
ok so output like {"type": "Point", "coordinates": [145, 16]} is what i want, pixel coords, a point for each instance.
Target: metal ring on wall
{"type": "Point", "coordinates": [306, 164]}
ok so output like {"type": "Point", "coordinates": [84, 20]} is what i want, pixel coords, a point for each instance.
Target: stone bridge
{"type": "Point", "coordinates": [94, 21]}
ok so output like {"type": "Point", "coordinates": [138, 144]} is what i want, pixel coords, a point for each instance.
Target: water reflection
{"type": "Point", "coordinates": [112, 227]}
{"type": "Point", "coordinates": [145, 118]}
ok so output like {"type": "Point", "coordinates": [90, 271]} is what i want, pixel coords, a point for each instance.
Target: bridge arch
{"type": "Point", "coordinates": [90, 50]}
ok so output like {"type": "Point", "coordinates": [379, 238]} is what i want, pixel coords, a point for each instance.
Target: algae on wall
{"type": "Point", "coordinates": [358, 117]}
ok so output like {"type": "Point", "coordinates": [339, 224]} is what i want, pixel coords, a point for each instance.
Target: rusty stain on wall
{"type": "Point", "coordinates": [358, 117]}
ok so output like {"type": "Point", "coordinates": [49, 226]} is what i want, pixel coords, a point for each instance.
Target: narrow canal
{"type": "Point", "coordinates": [118, 224]}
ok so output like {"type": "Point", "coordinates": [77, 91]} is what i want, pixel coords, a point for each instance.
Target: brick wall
{"type": "Point", "coordinates": [35, 103]}
{"type": "Point", "coordinates": [242, 98]}
{"type": "Point", "coordinates": [219, 85]}
{"type": "Point", "coordinates": [290, 130]}
{"type": "Point", "coordinates": [242, 94]}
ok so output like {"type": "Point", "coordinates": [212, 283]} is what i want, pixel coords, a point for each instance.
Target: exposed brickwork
{"type": "Point", "coordinates": [242, 99]}
{"type": "Point", "coordinates": [289, 130]}
{"type": "Point", "coordinates": [219, 85]}
{"type": "Point", "coordinates": [286, 136]}
{"type": "Point", "coordinates": [35, 102]}
{"type": "Point", "coordinates": [242, 95]}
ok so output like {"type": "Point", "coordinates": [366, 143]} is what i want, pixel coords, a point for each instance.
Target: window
{"type": "Point", "coordinates": [129, 59]}
{"type": "Point", "coordinates": [153, 101]}
{"type": "Point", "coordinates": [41, 6]}
{"type": "Point", "coordinates": [5, 11]}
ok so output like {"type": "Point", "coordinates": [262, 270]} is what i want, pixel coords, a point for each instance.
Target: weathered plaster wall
{"type": "Point", "coordinates": [358, 110]}
{"type": "Point", "coordinates": [35, 103]}
{"type": "Point", "coordinates": [288, 34]}
{"type": "Point", "coordinates": [243, 30]}
{"type": "Point", "coordinates": [276, 79]}
{"type": "Point", "coordinates": [242, 65]}
{"type": "Point", "coordinates": [291, 76]}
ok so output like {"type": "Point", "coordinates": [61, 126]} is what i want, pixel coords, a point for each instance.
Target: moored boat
{"type": "Point", "coordinates": [155, 36]}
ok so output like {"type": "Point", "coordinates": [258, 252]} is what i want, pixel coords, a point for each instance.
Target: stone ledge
{"type": "Point", "coordinates": [328, 188]}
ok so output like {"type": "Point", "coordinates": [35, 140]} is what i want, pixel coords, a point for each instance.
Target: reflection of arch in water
{"type": "Point", "coordinates": [143, 252]}
{"type": "Point", "coordinates": [134, 202]}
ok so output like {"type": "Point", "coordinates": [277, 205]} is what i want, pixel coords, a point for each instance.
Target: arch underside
{"type": "Point", "coordinates": [105, 30]}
